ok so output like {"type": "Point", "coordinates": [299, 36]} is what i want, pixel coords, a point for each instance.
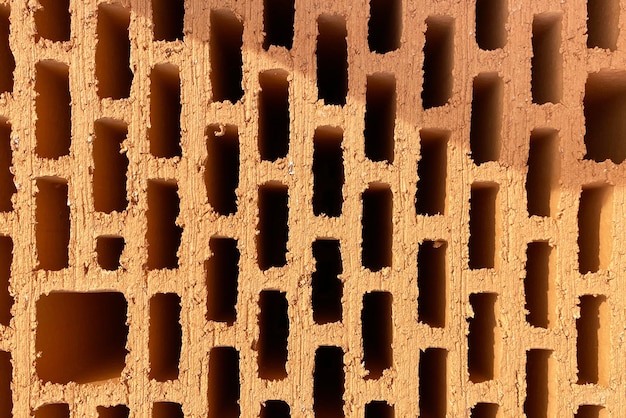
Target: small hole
{"type": "Point", "coordinates": [6, 377]}
{"type": "Point", "coordinates": [604, 107]}
{"type": "Point", "coordinates": [486, 120]}
{"type": "Point", "coordinates": [222, 275]}
{"type": "Point", "coordinates": [332, 60]}
{"type": "Point", "coordinates": [110, 165]}
{"type": "Point", "coordinates": [327, 288]}
{"type": "Point", "coordinates": [591, 411]}
{"type": "Point", "coordinates": [432, 172]}
{"type": "Point", "coordinates": [165, 107]}
{"type": "Point", "coordinates": [53, 410]}
{"type": "Point", "coordinates": [539, 284]}
{"type": "Point", "coordinates": [53, 20]}
{"type": "Point", "coordinates": [53, 127]}
{"type": "Point", "coordinates": [547, 61]}
{"type": "Point", "coordinates": [109, 250]}
{"type": "Point", "coordinates": [380, 117]}
{"type": "Point", "coordinates": [273, 115]}
{"type": "Point", "coordinates": [385, 25]}
{"type": "Point", "coordinates": [6, 56]}
{"type": "Point", "coordinates": [328, 383]}
{"type": "Point", "coordinates": [226, 60]}
{"type": "Point", "coordinates": [377, 227]}
{"type": "Point", "coordinates": [165, 339]}
{"type": "Point", "coordinates": [379, 409]}
{"type": "Point", "coordinates": [438, 61]}
{"type": "Point", "coordinates": [432, 283]}
{"type": "Point", "coordinates": [117, 411]}
{"type": "Point", "coordinates": [377, 331]}
{"type": "Point", "coordinates": [483, 225]}
{"type": "Point", "coordinates": [167, 410]}
{"type": "Point", "coordinates": [221, 171]}
{"type": "Point", "coordinates": [224, 386]}
{"type": "Point", "coordinates": [491, 16]}
{"type": "Point", "coordinates": [278, 21]}
{"type": "Point", "coordinates": [481, 340]}
{"type": "Point", "coordinates": [593, 344]}
{"type": "Point", "coordinates": [485, 410]}
{"type": "Point", "coordinates": [594, 228]}
{"type": "Point", "coordinates": [163, 234]}
{"type": "Point", "coordinates": [81, 336]}
{"type": "Point", "coordinates": [539, 384]}
{"type": "Point", "coordinates": [271, 241]}
{"type": "Point", "coordinates": [273, 335]}
{"type": "Point", "coordinates": [542, 180]}
{"type": "Point", "coordinates": [602, 24]}
{"type": "Point", "coordinates": [328, 171]}
{"type": "Point", "coordinates": [52, 223]}
{"type": "Point", "coordinates": [275, 409]}
{"type": "Point", "coordinates": [433, 388]}
{"type": "Point", "coordinates": [168, 18]}
{"type": "Point", "coordinates": [6, 300]}
{"type": "Point", "coordinates": [113, 71]}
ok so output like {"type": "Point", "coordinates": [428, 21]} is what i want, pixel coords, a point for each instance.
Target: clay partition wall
{"type": "Point", "coordinates": [382, 208]}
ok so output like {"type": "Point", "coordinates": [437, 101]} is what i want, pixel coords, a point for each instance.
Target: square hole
{"type": "Point", "coordinates": [117, 411]}
{"type": "Point", "coordinates": [81, 337]}
{"type": "Point", "coordinates": [109, 250]}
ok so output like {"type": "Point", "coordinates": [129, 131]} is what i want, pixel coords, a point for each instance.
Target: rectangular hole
{"type": "Point", "coordinates": [52, 20]}
{"type": "Point", "coordinates": [379, 409]}
{"type": "Point", "coordinates": [165, 108]}
{"type": "Point", "coordinates": [539, 284]}
{"type": "Point", "coordinates": [53, 410]}
{"type": "Point", "coordinates": [485, 410]}
{"type": "Point", "coordinates": [226, 59]}
{"type": "Point", "coordinates": [433, 388]}
{"type": "Point", "coordinates": [273, 335]}
{"type": "Point", "coordinates": [438, 61]}
{"type": "Point", "coordinates": [274, 116]}
{"type": "Point", "coordinates": [377, 225]}
{"type": "Point", "coordinates": [483, 225]}
{"type": "Point", "coordinates": [278, 21]}
{"type": "Point", "coordinates": [109, 250]}
{"type": "Point", "coordinates": [224, 388]}
{"type": "Point", "coordinates": [222, 276]}
{"type": "Point", "coordinates": [540, 384]}
{"type": "Point", "coordinates": [110, 166]}
{"type": "Point", "coordinates": [163, 235]}
{"type": "Point", "coordinates": [167, 410]}
{"type": "Point", "coordinates": [328, 171]}
{"type": "Point", "coordinates": [380, 117]}
{"type": "Point", "coordinates": [6, 300]}
{"type": "Point", "coordinates": [271, 241]}
{"type": "Point", "coordinates": [168, 17]}
{"type": "Point", "coordinates": [115, 411]}
{"type": "Point", "coordinates": [81, 336]}
{"type": "Point", "coordinates": [52, 223]}
{"type": "Point", "coordinates": [377, 332]}
{"type": "Point", "coordinates": [328, 383]}
{"type": "Point", "coordinates": [332, 59]}
{"type": "Point", "coordinates": [432, 283]}
{"type": "Point", "coordinates": [7, 60]}
{"type": "Point", "coordinates": [591, 411]}
{"type": "Point", "coordinates": [113, 71]}
{"type": "Point", "coordinates": [491, 16]}
{"type": "Point", "coordinates": [221, 170]}
{"type": "Point", "coordinates": [275, 409]}
{"type": "Point", "coordinates": [385, 25]}
{"type": "Point", "coordinates": [594, 340]}
{"type": "Point", "coordinates": [481, 340]}
{"type": "Point", "coordinates": [486, 118]}
{"type": "Point", "coordinates": [547, 61]}
{"type": "Point", "coordinates": [594, 228]}
{"type": "Point", "coordinates": [53, 127]}
{"type": "Point", "coordinates": [602, 24]}
{"type": "Point", "coordinates": [7, 184]}
{"type": "Point", "coordinates": [542, 180]}
{"type": "Point", "coordinates": [6, 377]}
{"type": "Point", "coordinates": [165, 336]}
{"type": "Point", "coordinates": [432, 172]}
{"type": "Point", "coordinates": [326, 286]}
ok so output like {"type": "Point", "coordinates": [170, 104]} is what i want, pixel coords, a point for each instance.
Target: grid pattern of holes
{"type": "Point", "coordinates": [245, 186]}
